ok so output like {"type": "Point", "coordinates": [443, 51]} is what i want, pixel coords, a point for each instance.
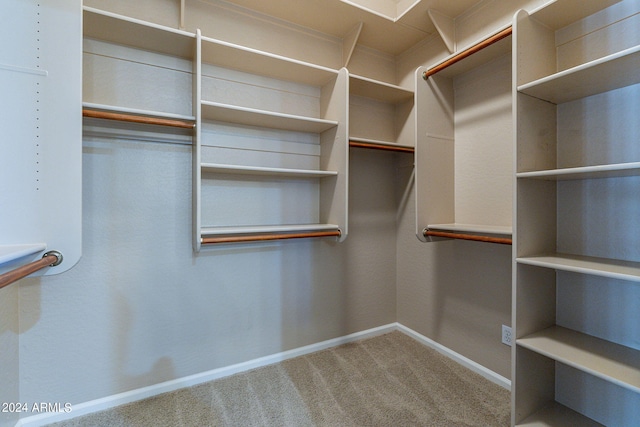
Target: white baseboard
{"type": "Point", "coordinates": [191, 380]}
{"type": "Point", "coordinates": [468, 363]}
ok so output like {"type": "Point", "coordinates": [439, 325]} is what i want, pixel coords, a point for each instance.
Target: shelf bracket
{"type": "Point", "coordinates": [446, 27]}
{"type": "Point", "coordinates": [349, 43]}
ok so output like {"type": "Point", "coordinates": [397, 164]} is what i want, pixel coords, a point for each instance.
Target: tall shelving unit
{"type": "Point", "coordinates": [576, 174]}
{"type": "Point", "coordinates": [316, 140]}
{"type": "Point", "coordinates": [41, 152]}
{"type": "Point", "coordinates": [436, 152]}
{"type": "Point", "coordinates": [321, 130]}
{"type": "Point", "coordinates": [380, 115]}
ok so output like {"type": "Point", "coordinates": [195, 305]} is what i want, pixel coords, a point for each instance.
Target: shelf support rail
{"type": "Point", "coordinates": [49, 259]}
{"type": "Point", "coordinates": [463, 236]}
{"type": "Point", "coordinates": [468, 52]}
{"type": "Point", "coordinates": [244, 238]}
{"type": "Point", "coordinates": [134, 118]}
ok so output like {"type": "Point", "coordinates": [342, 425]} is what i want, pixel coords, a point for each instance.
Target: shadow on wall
{"type": "Point", "coordinates": [471, 296]}
{"type": "Point", "coordinates": [162, 370]}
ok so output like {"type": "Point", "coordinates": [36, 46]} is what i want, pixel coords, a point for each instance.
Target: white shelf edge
{"type": "Point", "coordinates": [219, 231]}
{"type": "Point", "coordinates": [269, 55]}
{"type": "Point", "coordinates": [570, 84]}
{"type": "Point", "coordinates": [597, 171]}
{"type": "Point", "coordinates": [263, 118]}
{"type": "Point", "coordinates": [604, 267]}
{"type": "Point", "coordinates": [117, 36]}
{"type": "Point", "coordinates": [305, 72]}
{"type": "Point", "coordinates": [379, 142]}
{"type": "Point", "coordinates": [555, 414]}
{"type": "Point", "coordinates": [127, 110]}
{"type": "Point", "coordinates": [382, 91]}
{"type": "Point", "coordinates": [267, 171]}
{"type": "Point", "coordinates": [473, 228]}
{"type": "Point", "coordinates": [136, 21]}
{"type": "Point", "coordinates": [558, 14]}
{"type": "Point", "coordinates": [609, 361]}
{"type": "Point", "coordinates": [10, 253]}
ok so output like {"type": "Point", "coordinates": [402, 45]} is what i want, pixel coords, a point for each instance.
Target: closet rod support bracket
{"type": "Point", "coordinates": [55, 254]}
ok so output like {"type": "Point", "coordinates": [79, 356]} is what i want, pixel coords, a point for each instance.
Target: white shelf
{"type": "Point", "coordinates": [10, 253]}
{"type": "Point", "coordinates": [136, 111]}
{"type": "Point", "coordinates": [266, 171]}
{"type": "Point", "coordinates": [229, 55]}
{"type": "Point", "coordinates": [608, 73]}
{"type": "Point", "coordinates": [585, 172]}
{"type": "Point", "coordinates": [473, 228]}
{"type": "Point", "coordinates": [604, 267]}
{"type": "Point", "coordinates": [268, 119]}
{"type": "Point", "coordinates": [557, 14]}
{"type": "Point", "coordinates": [612, 362]}
{"type": "Point", "coordinates": [123, 30]}
{"type": "Point", "coordinates": [363, 86]}
{"type": "Point", "coordinates": [221, 231]}
{"type": "Point", "coordinates": [555, 364]}
{"type": "Point", "coordinates": [558, 415]}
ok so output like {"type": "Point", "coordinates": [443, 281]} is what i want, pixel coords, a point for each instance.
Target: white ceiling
{"type": "Point", "coordinates": [381, 31]}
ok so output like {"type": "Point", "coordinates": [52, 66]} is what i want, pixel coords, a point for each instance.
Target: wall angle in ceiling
{"type": "Point", "coordinates": [390, 26]}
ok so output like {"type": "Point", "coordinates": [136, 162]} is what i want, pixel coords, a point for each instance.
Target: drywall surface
{"type": "Point", "coordinates": [458, 293]}
{"type": "Point", "coordinates": [140, 308]}
{"type": "Point", "coordinates": [9, 374]}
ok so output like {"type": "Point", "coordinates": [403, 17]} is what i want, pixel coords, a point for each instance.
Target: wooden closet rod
{"type": "Point", "coordinates": [468, 52]}
{"type": "Point", "coordinates": [450, 235]}
{"type": "Point", "coordinates": [50, 259]}
{"type": "Point", "coordinates": [380, 147]}
{"type": "Point", "coordinates": [273, 236]}
{"type": "Point", "coordinates": [185, 124]}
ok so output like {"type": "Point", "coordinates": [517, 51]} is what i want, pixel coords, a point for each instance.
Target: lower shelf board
{"type": "Point", "coordinates": [473, 228]}
{"type": "Point", "coordinates": [612, 362]}
{"type": "Point", "coordinates": [559, 415]}
{"type": "Point", "coordinates": [612, 268]}
{"type": "Point", "coordinates": [265, 171]}
{"type": "Point", "coordinates": [379, 145]}
{"type": "Point", "coordinates": [212, 235]}
{"type": "Point", "coordinates": [481, 233]}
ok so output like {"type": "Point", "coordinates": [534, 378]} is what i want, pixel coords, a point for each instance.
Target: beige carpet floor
{"type": "Point", "coordinates": [389, 380]}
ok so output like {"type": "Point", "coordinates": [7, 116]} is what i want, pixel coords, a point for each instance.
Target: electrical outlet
{"type": "Point", "coordinates": [506, 335]}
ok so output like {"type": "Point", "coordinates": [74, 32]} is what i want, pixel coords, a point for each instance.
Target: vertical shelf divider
{"type": "Point", "coordinates": [197, 138]}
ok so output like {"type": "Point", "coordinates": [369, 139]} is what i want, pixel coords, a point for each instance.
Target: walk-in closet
{"type": "Point", "coordinates": [319, 212]}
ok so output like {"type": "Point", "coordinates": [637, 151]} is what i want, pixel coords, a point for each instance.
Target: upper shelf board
{"type": "Point", "coordinates": [229, 55]}
{"type": "Point", "coordinates": [139, 34]}
{"type": "Point", "coordinates": [262, 118]}
{"type": "Point", "coordinates": [473, 228]}
{"type": "Point", "coordinates": [381, 91]}
{"type": "Point", "coordinates": [608, 73]}
{"type": "Point", "coordinates": [558, 14]}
